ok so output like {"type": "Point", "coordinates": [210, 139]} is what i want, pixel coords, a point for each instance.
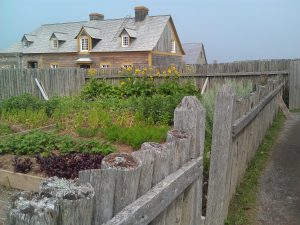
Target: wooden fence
{"type": "Point", "coordinates": [57, 82]}
{"type": "Point", "coordinates": [294, 83]}
{"type": "Point", "coordinates": [162, 183]}
{"type": "Point", "coordinates": [239, 127]}
{"type": "Point", "coordinates": [68, 81]}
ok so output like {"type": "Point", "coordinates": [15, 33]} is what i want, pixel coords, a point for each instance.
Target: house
{"type": "Point", "coordinates": [194, 54]}
{"type": "Point", "coordinates": [98, 43]}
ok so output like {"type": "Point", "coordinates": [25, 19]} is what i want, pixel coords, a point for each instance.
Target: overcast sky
{"type": "Point", "coordinates": [230, 29]}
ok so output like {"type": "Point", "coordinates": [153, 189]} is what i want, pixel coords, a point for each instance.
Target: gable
{"type": "Point", "coordinates": [164, 43]}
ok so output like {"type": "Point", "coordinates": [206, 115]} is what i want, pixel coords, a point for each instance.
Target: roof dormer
{"type": "Point", "coordinates": [127, 36]}
{"type": "Point", "coordinates": [27, 40]}
{"type": "Point", "coordinates": [88, 37]}
{"type": "Point", "coordinates": [57, 39]}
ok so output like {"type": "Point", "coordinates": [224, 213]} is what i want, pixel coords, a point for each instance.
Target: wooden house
{"type": "Point", "coordinates": [142, 40]}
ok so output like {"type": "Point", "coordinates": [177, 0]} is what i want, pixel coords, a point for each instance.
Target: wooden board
{"type": "Point", "coordinates": [20, 181]}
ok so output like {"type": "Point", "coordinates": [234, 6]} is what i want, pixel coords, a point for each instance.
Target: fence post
{"type": "Point", "coordinates": [190, 117]}
{"type": "Point", "coordinates": [294, 85]}
{"type": "Point", "coordinates": [219, 172]}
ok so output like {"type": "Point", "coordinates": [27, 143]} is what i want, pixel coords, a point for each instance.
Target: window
{"type": "Point", "coordinates": [125, 41]}
{"type": "Point", "coordinates": [173, 43]}
{"type": "Point", "coordinates": [104, 66]}
{"type": "Point", "coordinates": [84, 66]}
{"type": "Point", "coordinates": [84, 44]}
{"type": "Point", "coordinates": [54, 66]}
{"type": "Point", "coordinates": [127, 66]}
{"type": "Point", "coordinates": [54, 43]}
{"type": "Point", "coordinates": [32, 64]}
{"type": "Point", "coordinates": [25, 43]}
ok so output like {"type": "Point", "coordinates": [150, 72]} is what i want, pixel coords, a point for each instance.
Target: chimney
{"type": "Point", "coordinates": [140, 13]}
{"type": "Point", "coordinates": [96, 16]}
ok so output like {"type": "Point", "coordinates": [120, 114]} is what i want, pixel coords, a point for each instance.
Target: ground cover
{"type": "Point", "coordinates": [103, 119]}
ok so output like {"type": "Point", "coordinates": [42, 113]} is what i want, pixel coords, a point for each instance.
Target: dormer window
{"type": "Point", "coordinates": [84, 44]}
{"type": "Point", "coordinates": [27, 40]}
{"type": "Point", "coordinates": [173, 46]}
{"type": "Point", "coordinates": [55, 43]}
{"type": "Point", "coordinates": [25, 43]}
{"type": "Point", "coordinates": [125, 41]}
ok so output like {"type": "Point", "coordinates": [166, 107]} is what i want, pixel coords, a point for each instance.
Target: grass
{"type": "Point", "coordinates": [246, 194]}
{"type": "Point", "coordinates": [137, 135]}
{"type": "Point", "coordinates": [295, 110]}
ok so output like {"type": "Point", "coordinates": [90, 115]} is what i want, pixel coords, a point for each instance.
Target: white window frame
{"type": "Point", "coordinates": [55, 43]}
{"type": "Point", "coordinates": [54, 66]}
{"type": "Point", "coordinates": [104, 66]}
{"type": "Point", "coordinates": [173, 46]}
{"type": "Point", "coordinates": [125, 43]}
{"type": "Point", "coordinates": [81, 44]}
{"type": "Point", "coordinates": [127, 66]}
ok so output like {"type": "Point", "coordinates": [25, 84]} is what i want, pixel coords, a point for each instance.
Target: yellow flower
{"type": "Point", "coordinates": [158, 73]}
{"type": "Point", "coordinates": [129, 69]}
{"type": "Point", "coordinates": [123, 83]}
{"type": "Point", "coordinates": [137, 71]}
{"type": "Point", "coordinates": [143, 72]}
{"type": "Point", "coordinates": [169, 71]}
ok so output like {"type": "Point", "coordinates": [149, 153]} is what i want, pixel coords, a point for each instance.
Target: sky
{"type": "Point", "coordinates": [230, 30]}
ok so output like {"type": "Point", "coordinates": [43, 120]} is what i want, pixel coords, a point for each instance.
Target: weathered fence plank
{"type": "Point", "coordinates": [148, 206]}
{"type": "Point", "coordinates": [294, 85]}
{"type": "Point", "coordinates": [220, 156]}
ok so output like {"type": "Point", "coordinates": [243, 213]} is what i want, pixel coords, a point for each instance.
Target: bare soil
{"type": "Point", "coordinates": [121, 160]}
{"type": "Point", "coordinates": [279, 185]}
{"type": "Point", "coordinates": [6, 164]}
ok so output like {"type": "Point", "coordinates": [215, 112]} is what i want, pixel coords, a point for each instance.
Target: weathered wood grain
{"type": "Point", "coordinates": [218, 186]}
{"type": "Point", "coordinates": [148, 206]}
{"type": "Point", "coordinates": [103, 181]}
{"type": "Point", "coordinates": [241, 123]}
{"type": "Point", "coordinates": [127, 182]}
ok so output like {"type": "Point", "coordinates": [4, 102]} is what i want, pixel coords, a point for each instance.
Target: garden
{"type": "Point", "coordinates": [64, 135]}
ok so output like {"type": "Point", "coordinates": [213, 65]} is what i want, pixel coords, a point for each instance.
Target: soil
{"type": "Point", "coordinates": [121, 160]}
{"type": "Point", "coordinates": [279, 185]}
{"type": "Point", "coordinates": [6, 164]}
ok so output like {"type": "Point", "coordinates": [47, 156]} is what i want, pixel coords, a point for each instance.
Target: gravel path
{"type": "Point", "coordinates": [279, 190]}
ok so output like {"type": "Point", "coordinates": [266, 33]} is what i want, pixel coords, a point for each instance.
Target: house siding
{"type": "Point", "coordinates": [164, 61]}
{"type": "Point", "coordinates": [114, 59]}
{"type": "Point", "coordinates": [10, 60]}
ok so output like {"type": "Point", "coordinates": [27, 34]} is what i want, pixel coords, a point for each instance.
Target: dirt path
{"type": "Point", "coordinates": [279, 189]}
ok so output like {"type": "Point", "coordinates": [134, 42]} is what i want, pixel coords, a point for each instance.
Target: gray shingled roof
{"type": "Point", "coordinates": [147, 35]}
{"type": "Point", "coordinates": [192, 52]}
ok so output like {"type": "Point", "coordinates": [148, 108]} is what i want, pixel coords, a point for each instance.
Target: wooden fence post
{"type": "Point", "coordinates": [190, 117]}
{"type": "Point", "coordinates": [219, 177]}
{"type": "Point", "coordinates": [128, 170]}
{"type": "Point", "coordinates": [103, 182]}
{"type": "Point", "coordinates": [32, 209]}
{"type": "Point", "coordinates": [75, 201]}
{"type": "Point", "coordinates": [294, 84]}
